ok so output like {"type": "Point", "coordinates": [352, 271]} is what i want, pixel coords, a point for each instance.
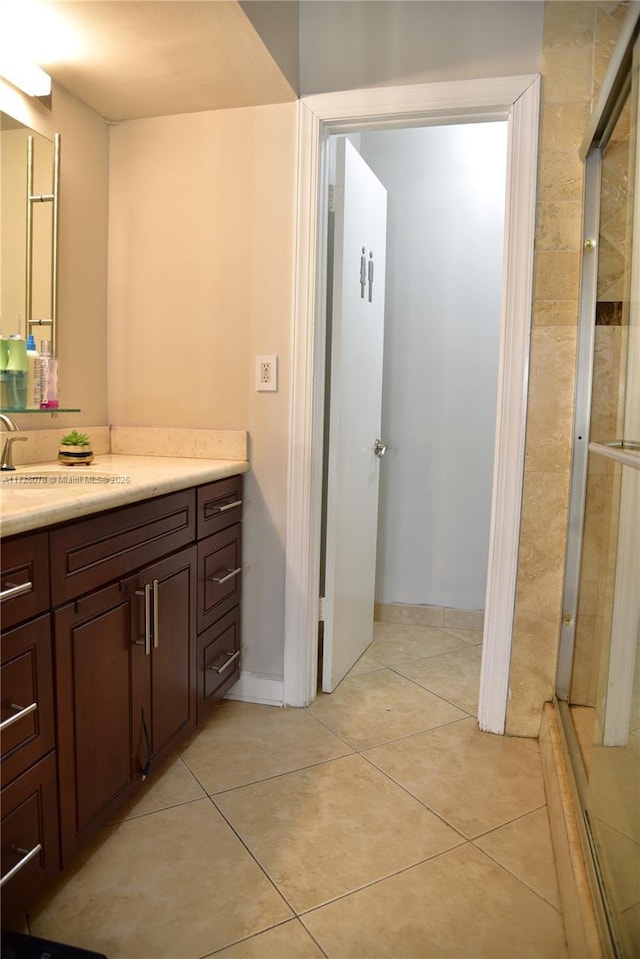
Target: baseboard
{"type": "Point", "coordinates": [257, 688]}
{"type": "Point", "coordinates": [582, 912]}
{"type": "Point", "coordinates": [408, 615]}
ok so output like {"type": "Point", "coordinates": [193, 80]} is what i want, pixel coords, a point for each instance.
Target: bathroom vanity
{"type": "Point", "coordinates": [121, 626]}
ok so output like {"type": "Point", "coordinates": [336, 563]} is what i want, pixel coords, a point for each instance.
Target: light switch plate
{"type": "Point", "coordinates": [266, 374]}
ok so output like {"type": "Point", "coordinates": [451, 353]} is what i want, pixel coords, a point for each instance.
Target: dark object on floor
{"type": "Point", "coordinates": [17, 946]}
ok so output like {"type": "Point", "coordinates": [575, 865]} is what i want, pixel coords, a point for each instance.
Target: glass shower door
{"type": "Point", "coordinates": [600, 684]}
{"type": "Point", "coordinates": [609, 731]}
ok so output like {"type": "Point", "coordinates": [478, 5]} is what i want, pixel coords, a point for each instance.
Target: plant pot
{"type": "Point", "coordinates": [75, 455]}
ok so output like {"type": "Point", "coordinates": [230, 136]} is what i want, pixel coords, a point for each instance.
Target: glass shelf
{"type": "Point", "coordinates": [58, 409]}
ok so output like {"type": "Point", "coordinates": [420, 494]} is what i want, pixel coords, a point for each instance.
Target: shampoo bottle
{"type": "Point", "coordinates": [33, 390]}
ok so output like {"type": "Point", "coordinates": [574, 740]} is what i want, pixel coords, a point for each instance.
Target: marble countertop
{"type": "Point", "coordinates": [40, 495]}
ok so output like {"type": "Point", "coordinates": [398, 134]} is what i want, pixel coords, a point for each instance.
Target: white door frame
{"type": "Point", "coordinates": [515, 99]}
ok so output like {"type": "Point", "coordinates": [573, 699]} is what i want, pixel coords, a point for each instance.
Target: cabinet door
{"type": "Point", "coordinates": [94, 664]}
{"type": "Point", "coordinates": [164, 681]}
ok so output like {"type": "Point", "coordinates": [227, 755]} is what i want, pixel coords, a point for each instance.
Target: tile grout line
{"type": "Point", "coordinates": [433, 812]}
{"type": "Point", "coordinates": [450, 702]}
{"type": "Point", "coordinates": [518, 878]}
{"type": "Point", "coordinates": [254, 935]}
{"type": "Point", "coordinates": [389, 742]}
{"type": "Point", "coordinates": [253, 856]}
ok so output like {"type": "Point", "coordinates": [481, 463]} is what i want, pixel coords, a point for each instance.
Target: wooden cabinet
{"type": "Point", "coordinates": [219, 515]}
{"type": "Point", "coordinates": [124, 665]}
{"type": "Point", "coordinates": [29, 830]}
{"type": "Point", "coordinates": [132, 619]}
{"type": "Point", "coordinates": [125, 654]}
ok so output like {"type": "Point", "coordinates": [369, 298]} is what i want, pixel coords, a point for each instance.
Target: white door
{"type": "Point", "coordinates": [353, 467]}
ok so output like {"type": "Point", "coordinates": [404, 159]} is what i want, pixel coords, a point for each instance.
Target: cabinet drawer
{"type": "Point", "coordinates": [26, 677]}
{"type": "Point", "coordinates": [29, 821]}
{"type": "Point", "coordinates": [219, 575]}
{"type": "Point", "coordinates": [219, 505]}
{"type": "Point", "coordinates": [93, 552]}
{"type": "Point", "coordinates": [25, 578]}
{"type": "Point", "coordinates": [218, 659]}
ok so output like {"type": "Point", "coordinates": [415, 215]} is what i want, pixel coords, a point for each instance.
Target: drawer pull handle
{"type": "Point", "coordinates": [227, 575]}
{"type": "Point", "coordinates": [223, 509]}
{"type": "Point", "coordinates": [19, 713]}
{"type": "Point", "coordinates": [12, 590]}
{"type": "Point", "coordinates": [226, 665]}
{"type": "Point", "coordinates": [156, 614]}
{"type": "Point", "coordinates": [29, 854]}
{"type": "Point", "coordinates": [146, 592]}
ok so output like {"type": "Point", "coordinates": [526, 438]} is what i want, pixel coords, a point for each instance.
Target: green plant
{"type": "Point", "coordinates": [75, 439]}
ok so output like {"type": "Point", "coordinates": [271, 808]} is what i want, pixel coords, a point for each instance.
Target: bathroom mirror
{"type": "Point", "coordinates": [29, 174]}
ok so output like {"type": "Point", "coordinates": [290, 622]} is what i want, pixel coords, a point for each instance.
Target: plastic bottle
{"type": "Point", "coordinates": [16, 373]}
{"type": "Point", "coordinates": [33, 385]}
{"type": "Point", "coordinates": [48, 377]}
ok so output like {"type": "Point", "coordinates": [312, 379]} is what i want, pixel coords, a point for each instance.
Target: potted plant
{"type": "Point", "coordinates": [75, 449]}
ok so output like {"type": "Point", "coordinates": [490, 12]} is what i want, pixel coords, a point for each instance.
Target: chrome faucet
{"type": "Point", "coordinates": [6, 462]}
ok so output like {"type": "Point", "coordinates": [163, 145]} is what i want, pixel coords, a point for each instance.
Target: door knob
{"type": "Point", "coordinates": [379, 449]}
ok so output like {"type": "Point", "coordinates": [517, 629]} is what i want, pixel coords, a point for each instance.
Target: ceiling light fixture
{"type": "Point", "coordinates": [24, 74]}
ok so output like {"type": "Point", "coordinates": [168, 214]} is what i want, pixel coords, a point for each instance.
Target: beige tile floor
{"type": "Point", "coordinates": [377, 823]}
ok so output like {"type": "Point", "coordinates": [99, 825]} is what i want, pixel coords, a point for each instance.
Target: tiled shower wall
{"type": "Point", "coordinates": [577, 43]}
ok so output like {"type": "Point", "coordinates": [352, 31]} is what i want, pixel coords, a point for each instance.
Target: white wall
{"type": "Point", "coordinates": [444, 273]}
{"type": "Point", "coordinates": [201, 253]}
{"type": "Point", "coordinates": [350, 44]}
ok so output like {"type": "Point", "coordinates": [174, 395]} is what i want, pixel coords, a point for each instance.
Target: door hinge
{"type": "Point", "coordinates": [321, 609]}
{"type": "Point", "coordinates": [336, 193]}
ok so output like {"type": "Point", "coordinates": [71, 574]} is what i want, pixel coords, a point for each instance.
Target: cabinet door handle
{"type": "Point", "coordinates": [226, 575]}
{"type": "Point", "coordinates": [223, 509]}
{"type": "Point", "coordinates": [146, 592]}
{"type": "Point", "coordinates": [13, 590]}
{"type": "Point", "coordinates": [156, 614]}
{"type": "Point", "coordinates": [226, 665]}
{"type": "Point", "coordinates": [23, 862]}
{"type": "Point", "coordinates": [20, 712]}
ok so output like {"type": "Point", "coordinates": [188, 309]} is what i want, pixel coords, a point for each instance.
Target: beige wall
{"type": "Point", "coordinates": [83, 229]}
{"type": "Point", "coordinates": [201, 256]}
{"type": "Point", "coordinates": [578, 38]}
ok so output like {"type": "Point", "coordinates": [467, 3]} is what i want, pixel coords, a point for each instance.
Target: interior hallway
{"type": "Point", "coordinates": [376, 823]}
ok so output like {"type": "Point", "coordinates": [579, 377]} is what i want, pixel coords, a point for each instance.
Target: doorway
{"type": "Point", "coordinates": [515, 99]}
{"type": "Point", "coordinates": [445, 223]}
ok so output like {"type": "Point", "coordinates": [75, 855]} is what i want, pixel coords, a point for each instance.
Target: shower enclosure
{"type": "Point", "coordinates": [598, 688]}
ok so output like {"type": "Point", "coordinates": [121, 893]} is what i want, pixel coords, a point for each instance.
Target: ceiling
{"type": "Point", "coordinates": [142, 58]}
